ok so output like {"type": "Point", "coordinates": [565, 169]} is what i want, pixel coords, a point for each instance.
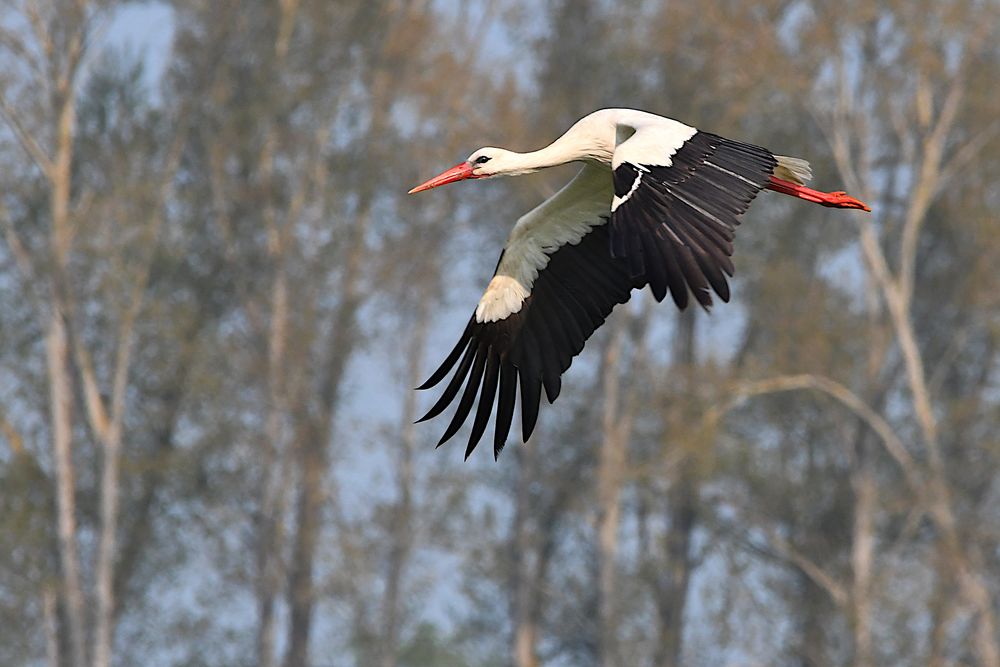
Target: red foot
{"type": "Point", "coordinates": [838, 199]}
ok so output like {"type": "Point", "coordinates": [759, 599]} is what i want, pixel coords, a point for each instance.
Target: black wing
{"type": "Point", "coordinates": [675, 226]}
{"type": "Point", "coordinates": [531, 349]}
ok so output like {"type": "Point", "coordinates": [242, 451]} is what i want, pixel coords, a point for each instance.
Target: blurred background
{"type": "Point", "coordinates": [215, 298]}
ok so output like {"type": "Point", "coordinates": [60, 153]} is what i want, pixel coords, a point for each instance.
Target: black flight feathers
{"type": "Point", "coordinates": [676, 228]}
{"type": "Point", "coordinates": [674, 232]}
{"type": "Point", "coordinates": [532, 348]}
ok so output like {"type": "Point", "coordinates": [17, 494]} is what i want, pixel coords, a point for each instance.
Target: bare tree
{"type": "Point", "coordinates": [621, 396]}
{"type": "Point", "coordinates": [195, 277]}
{"type": "Point", "coordinates": [929, 153]}
{"type": "Point", "coordinates": [62, 35]}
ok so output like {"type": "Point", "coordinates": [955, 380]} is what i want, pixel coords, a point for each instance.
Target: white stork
{"type": "Point", "coordinates": [656, 203]}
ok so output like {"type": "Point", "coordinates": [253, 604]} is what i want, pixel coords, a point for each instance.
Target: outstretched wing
{"type": "Point", "coordinates": [679, 195]}
{"type": "Point", "coordinates": [554, 286]}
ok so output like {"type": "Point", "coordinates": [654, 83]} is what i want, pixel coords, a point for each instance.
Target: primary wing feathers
{"type": "Point", "coordinates": [535, 346]}
{"type": "Point", "coordinates": [683, 209]}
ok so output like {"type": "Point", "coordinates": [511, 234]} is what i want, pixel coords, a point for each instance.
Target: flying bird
{"type": "Point", "coordinates": [656, 203]}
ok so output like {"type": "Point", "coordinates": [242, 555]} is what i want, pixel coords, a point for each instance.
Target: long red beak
{"type": "Point", "coordinates": [459, 172]}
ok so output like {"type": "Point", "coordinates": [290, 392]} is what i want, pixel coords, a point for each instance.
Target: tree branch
{"type": "Point", "coordinates": [25, 138]}
{"type": "Point", "coordinates": [926, 187]}
{"type": "Point", "coordinates": [893, 445]}
{"type": "Point", "coordinates": [967, 153]}
{"type": "Point", "coordinates": [781, 550]}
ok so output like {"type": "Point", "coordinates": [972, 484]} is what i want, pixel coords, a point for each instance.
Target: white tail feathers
{"type": "Point", "coordinates": [792, 169]}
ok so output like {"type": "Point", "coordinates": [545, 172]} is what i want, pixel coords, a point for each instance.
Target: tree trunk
{"type": "Point", "coordinates": [111, 439]}
{"type": "Point", "coordinates": [312, 464]}
{"type": "Point", "coordinates": [609, 480]}
{"type": "Point", "coordinates": [272, 476]}
{"type": "Point", "coordinates": [49, 617]}
{"type": "Point", "coordinates": [809, 619]}
{"type": "Point", "coordinates": [60, 382]}
{"type": "Point", "coordinates": [682, 504]}
{"type": "Point", "coordinates": [862, 555]}
{"type": "Point", "coordinates": [525, 636]}
{"type": "Point", "coordinates": [60, 397]}
{"type": "Point", "coordinates": [275, 477]}
{"type": "Point", "coordinates": [401, 527]}
{"type": "Point", "coordinates": [677, 573]}
{"type": "Point", "coordinates": [104, 632]}
{"type": "Point", "coordinates": [313, 444]}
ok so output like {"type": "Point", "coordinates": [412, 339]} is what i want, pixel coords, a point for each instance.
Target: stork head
{"type": "Point", "coordinates": [484, 163]}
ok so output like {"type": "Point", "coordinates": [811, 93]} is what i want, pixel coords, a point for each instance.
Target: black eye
{"type": "Point", "coordinates": [482, 159]}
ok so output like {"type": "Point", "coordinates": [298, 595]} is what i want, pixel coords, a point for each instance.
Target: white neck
{"type": "Point", "coordinates": [585, 141]}
{"type": "Point", "coordinates": [557, 153]}
{"type": "Point", "coordinates": [591, 139]}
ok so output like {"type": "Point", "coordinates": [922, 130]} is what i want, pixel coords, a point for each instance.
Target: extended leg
{"type": "Point", "coordinates": [831, 199]}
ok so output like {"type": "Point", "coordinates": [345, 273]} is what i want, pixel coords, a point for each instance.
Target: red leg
{"type": "Point", "coordinates": [831, 199]}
